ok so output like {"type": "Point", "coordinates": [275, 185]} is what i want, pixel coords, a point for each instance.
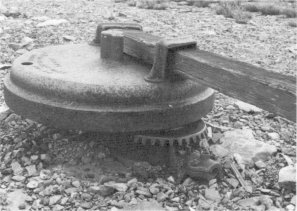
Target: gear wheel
{"type": "Point", "coordinates": [186, 135]}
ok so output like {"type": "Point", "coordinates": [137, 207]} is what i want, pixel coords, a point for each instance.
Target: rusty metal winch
{"type": "Point", "coordinates": [99, 88]}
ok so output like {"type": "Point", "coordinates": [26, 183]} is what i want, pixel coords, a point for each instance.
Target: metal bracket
{"type": "Point", "coordinates": [106, 26]}
{"type": "Point", "coordinates": [164, 52]}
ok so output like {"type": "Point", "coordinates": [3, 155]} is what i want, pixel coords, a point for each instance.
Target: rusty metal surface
{"type": "Point", "coordinates": [71, 87]}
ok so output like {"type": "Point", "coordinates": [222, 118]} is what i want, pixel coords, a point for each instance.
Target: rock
{"type": "Point", "coordinates": [219, 151]}
{"type": "Point", "coordinates": [15, 199]}
{"type": "Point", "coordinates": [45, 174]}
{"type": "Point", "coordinates": [287, 177]}
{"type": "Point", "coordinates": [54, 199]}
{"type": "Point", "coordinates": [68, 38]}
{"type": "Point", "coordinates": [58, 207]}
{"type": "Point", "coordinates": [4, 110]}
{"type": "Point", "coordinates": [247, 107]}
{"type": "Point", "coordinates": [131, 182]}
{"type": "Point", "coordinates": [188, 181]}
{"type": "Point", "coordinates": [31, 170]}
{"type": "Point", "coordinates": [102, 190]}
{"type": "Point", "coordinates": [171, 179]}
{"type": "Point", "coordinates": [242, 141]}
{"type": "Point", "coordinates": [248, 202]}
{"type": "Point", "coordinates": [86, 196]}
{"type": "Point", "coordinates": [53, 22]}
{"type": "Point", "coordinates": [161, 197]}
{"type": "Point", "coordinates": [274, 136]}
{"type": "Point", "coordinates": [151, 205]}
{"type": "Point", "coordinates": [143, 191]}
{"type": "Point", "coordinates": [5, 66]}
{"type": "Point", "coordinates": [16, 168]}
{"type": "Point", "coordinates": [32, 184]}
{"type": "Point", "coordinates": [233, 182]}
{"type": "Point", "coordinates": [18, 178]}
{"type": "Point", "coordinates": [76, 183]}
{"type": "Point", "coordinates": [293, 200]}
{"type": "Point", "coordinates": [266, 201]}
{"type": "Point", "coordinates": [154, 189]}
{"type": "Point", "coordinates": [22, 206]}
{"type": "Point", "coordinates": [260, 164]}
{"type": "Point", "coordinates": [290, 207]}
{"type": "Point", "coordinates": [121, 187]}
{"type": "Point", "coordinates": [212, 194]}
{"type": "Point", "coordinates": [26, 41]}
{"type": "Point", "coordinates": [86, 205]}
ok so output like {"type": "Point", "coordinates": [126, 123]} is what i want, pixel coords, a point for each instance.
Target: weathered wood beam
{"type": "Point", "coordinates": [268, 90]}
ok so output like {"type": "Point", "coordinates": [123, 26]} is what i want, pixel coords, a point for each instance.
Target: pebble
{"type": "Point", "coordinates": [22, 206]}
{"type": "Point", "coordinates": [16, 168]}
{"type": "Point", "coordinates": [212, 194]}
{"type": "Point", "coordinates": [121, 187]}
{"type": "Point", "coordinates": [18, 178]}
{"type": "Point", "coordinates": [287, 177]}
{"type": "Point", "coordinates": [144, 192]}
{"type": "Point", "coordinates": [76, 183]}
{"type": "Point", "coordinates": [54, 199]}
{"type": "Point", "coordinates": [161, 197]}
{"type": "Point", "coordinates": [154, 189]}
{"type": "Point", "coordinates": [45, 174]}
{"type": "Point", "coordinates": [233, 182]}
{"type": "Point", "coordinates": [102, 190]}
{"type": "Point", "coordinates": [243, 142]}
{"type": "Point", "coordinates": [52, 22]}
{"type": "Point", "coordinates": [32, 184]}
{"type": "Point", "coordinates": [260, 164]}
{"type": "Point", "coordinates": [273, 136]}
{"type": "Point", "coordinates": [31, 170]}
{"type": "Point", "coordinates": [247, 107]}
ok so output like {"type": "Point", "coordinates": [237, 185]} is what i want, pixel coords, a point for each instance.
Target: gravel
{"type": "Point", "coordinates": [63, 170]}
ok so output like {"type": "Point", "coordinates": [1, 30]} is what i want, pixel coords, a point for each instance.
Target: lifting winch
{"type": "Point", "coordinates": [99, 88]}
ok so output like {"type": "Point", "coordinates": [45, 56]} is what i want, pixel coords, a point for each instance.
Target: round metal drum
{"type": "Point", "coordinates": [71, 87]}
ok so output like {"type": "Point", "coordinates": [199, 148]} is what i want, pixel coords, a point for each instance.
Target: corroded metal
{"type": "Point", "coordinates": [75, 87]}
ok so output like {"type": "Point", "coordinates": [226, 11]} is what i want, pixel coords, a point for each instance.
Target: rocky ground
{"type": "Point", "coordinates": [44, 168]}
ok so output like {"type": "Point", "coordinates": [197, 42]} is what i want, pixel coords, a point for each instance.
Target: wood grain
{"type": "Point", "coordinates": [265, 89]}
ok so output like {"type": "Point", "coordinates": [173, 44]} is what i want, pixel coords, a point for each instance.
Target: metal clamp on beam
{"type": "Point", "coordinates": [106, 26]}
{"type": "Point", "coordinates": [164, 52]}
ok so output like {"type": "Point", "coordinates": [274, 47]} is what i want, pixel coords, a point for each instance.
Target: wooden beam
{"type": "Point", "coordinates": [268, 90]}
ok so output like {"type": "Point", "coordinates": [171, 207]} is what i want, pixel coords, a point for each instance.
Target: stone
{"type": "Point", "coordinates": [260, 164]}
{"type": "Point", "coordinates": [290, 207]}
{"type": "Point", "coordinates": [52, 22]}
{"type": "Point", "coordinates": [32, 184]}
{"type": "Point", "coordinates": [132, 181]}
{"type": "Point", "coordinates": [31, 170]}
{"type": "Point", "coordinates": [86, 205]}
{"type": "Point", "coordinates": [188, 181]}
{"type": "Point", "coordinates": [154, 189]}
{"type": "Point", "coordinates": [76, 183]}
{"type": "Point", "coordinates": [22, 206]}
{"type": "Point", "coordinates": [58, 207]}
{"type": "Point", "coordinates": [287, 177]}
{"type": "Point", "coordinates": [86, 196]}
{"type": "Point", "coordinates": [102, 190]}
{"type": "Point", "coordinates": [233, 182]}
{"type": "Point", "coordinates": [274, 136]}
{"type": "Point", "coordinates": [143, 191]}
{"type": "Point", "coordinates": [68, 38]}
{"type": "Point", "coordinates": [249, 202]}
{"type": "Point", "coordinates": [121, 187]}
{"type": "Point", "coordinates": [16, 168]}
{"type": "Point", "coordinates": [54, 199]}
{"type": "Point", "coordinates": [4, 110]}
{"type": "Point", "coordinates": [171, 179]}
{"type": "Point", "coordinates": [247, 107]}
{"type": "Point", "coordinates": [26, 41]}
{"type": "Point", "coordinates": [293, 200]}
{"type": "Point", "coordinates": [219, 151]}
{"type": "Point", "coordinates": [242, 141]}
{"type": "Point", "coordinates": [45, 174]}
{"type": "Point", "coordinates": [161, 197]}
{"type": "Point", "coordinates": [18, 178]}
{"type": "Point", "coordinates": [212, 194]}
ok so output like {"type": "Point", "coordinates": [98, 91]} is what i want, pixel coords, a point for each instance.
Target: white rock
{"type": "Point", "coordinates": [31, 170]}
{"type": "Point", "coordinates": [121, 187]}
{"type": "Point", "coordinates": [247, 107]}
{"type": "Point", "coordinates": [18, 178]}
{"type": "Point", "coordinates": [242, 141]}
{"type": "Point", "coordinates": [54, 199]}
{"type": "Point", "coordinates": [68, 38]}
{"type": "Point", "coordinates": [287, 176]}
{"type": "Point", "coordinates": [273, 136]}
{"type": "Point", "coordinates": [76, 183]}
{"type": "Point", "coordinates": [32, 184]}
{"type": "Point", "coordinates": [26, 41]}
{"type": "Point", "coordinates": [16, 168]}
{"type": "Point", "coordinates": [290, 207]}
{"type": "Point", "coordinates": [212, 194]}
{"type": "Point", "coordinates": [53, 22]}
{"type": "Point", "coordinates": [40, 18]}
